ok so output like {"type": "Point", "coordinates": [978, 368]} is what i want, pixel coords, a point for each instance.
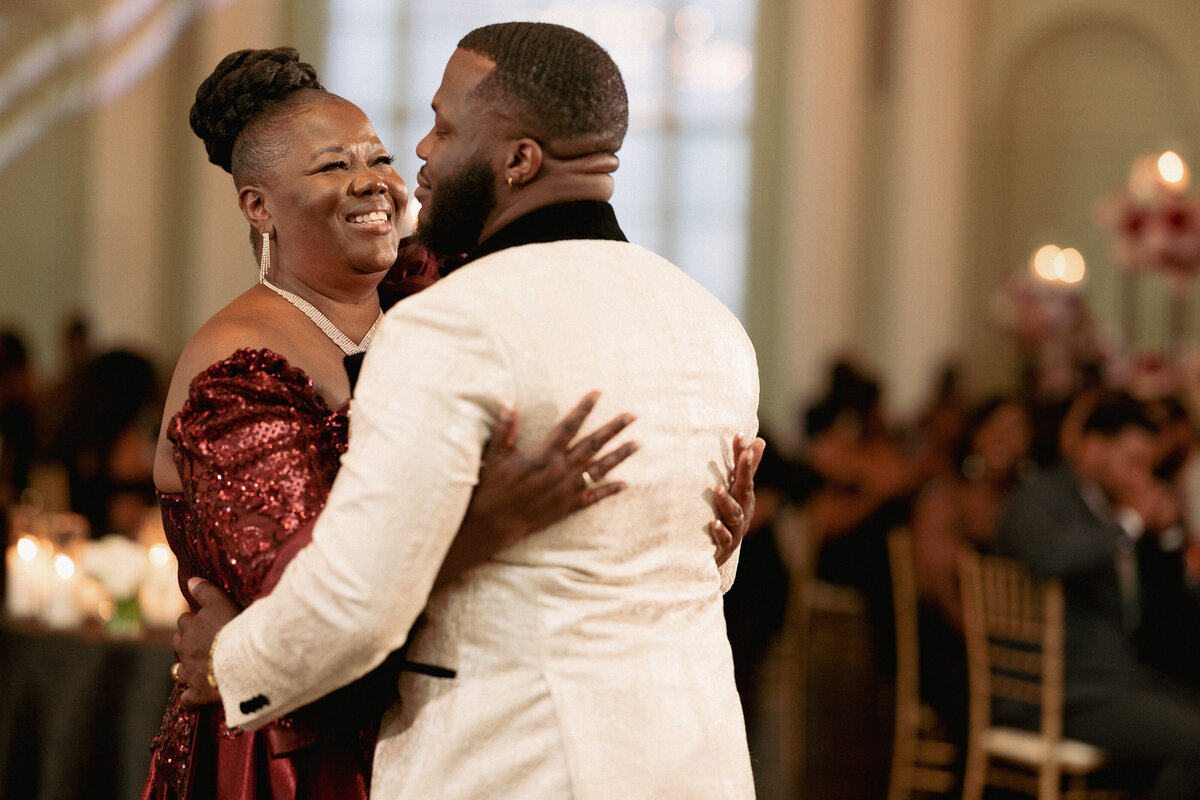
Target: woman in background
{"type": "Point", "coordinates": [956, 511]}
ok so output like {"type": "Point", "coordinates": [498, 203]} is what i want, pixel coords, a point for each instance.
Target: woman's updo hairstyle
{"type": "Point", "coordinates": [238, 107]}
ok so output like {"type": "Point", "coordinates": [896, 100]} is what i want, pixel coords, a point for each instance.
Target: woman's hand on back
{"type": "Point", "coordinates": [524, 491]}
{"type": "Point", "coordinates": [735, 505]}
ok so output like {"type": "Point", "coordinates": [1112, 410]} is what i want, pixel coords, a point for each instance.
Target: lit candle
{"type": "Point", "coordinates": [1173, 171]}
{"type": "Point", "coordinates": [28, 565]}
{"type": "Point", "coordinates": [62, 609]}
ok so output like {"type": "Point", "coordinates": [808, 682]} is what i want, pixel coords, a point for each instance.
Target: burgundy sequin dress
{"type": "Point", "coordinates": [257, 450]}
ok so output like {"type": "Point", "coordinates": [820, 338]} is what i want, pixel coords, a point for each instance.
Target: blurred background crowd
{"type": "Point", "coordinates": [83, 439]}
{"type": "Point", "coordinates": [944, 475]}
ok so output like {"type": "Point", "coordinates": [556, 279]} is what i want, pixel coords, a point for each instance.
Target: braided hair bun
{"type": "Point", "coordinates": [243, 85]}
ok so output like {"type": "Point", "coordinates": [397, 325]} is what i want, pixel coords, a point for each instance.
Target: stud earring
{"type": "Point", "coordinates": [510, 182]}
{"type": "Point", "coordinates": [264, 259]}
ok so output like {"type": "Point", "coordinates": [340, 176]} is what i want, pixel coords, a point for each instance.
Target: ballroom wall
{"type": "Point", "coordinates": [1069, 97]}
{"type": "Point", "coordinates": [910, 154]}
{"type": "Point", "coordinates": [916, 152]}
{"type": "Point", "coordinates": [111, 208]}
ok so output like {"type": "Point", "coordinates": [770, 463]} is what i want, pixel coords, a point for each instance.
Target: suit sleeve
{"type": "Point", "coordinates": [1053, 533]}
{"type": "Point", "coordinates": [430, 389]}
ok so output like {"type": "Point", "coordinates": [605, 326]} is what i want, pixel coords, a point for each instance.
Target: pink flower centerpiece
{"type": "Point", "coordinates": [1156, 230]}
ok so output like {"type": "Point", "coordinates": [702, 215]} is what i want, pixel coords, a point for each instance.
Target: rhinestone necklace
{"type": "Point", "coordinates": [328, 328]}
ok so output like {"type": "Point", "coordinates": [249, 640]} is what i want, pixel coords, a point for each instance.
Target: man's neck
{"type": "Point", "coordinates": [558, 181]}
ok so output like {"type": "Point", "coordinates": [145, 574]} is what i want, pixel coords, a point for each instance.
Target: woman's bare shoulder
{"type": "Point", "coordinates": [256, 320]}
{"type": "Point", "coordinates": [247, 322]}
{"type": "Point", "coordinates": [243, 323]}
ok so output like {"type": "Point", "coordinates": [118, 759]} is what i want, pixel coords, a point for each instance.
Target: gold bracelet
{"type": "Point", "coordinates": [212, 678]}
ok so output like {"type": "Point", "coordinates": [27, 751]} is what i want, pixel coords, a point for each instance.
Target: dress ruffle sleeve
{"type": "Point", "coordinates": [257, 450]}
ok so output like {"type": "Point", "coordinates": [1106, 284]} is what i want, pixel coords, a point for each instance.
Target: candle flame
{"type": "Point", "coordinates": [1054, 264]}
{"type": "Point", "coordinates": [1045, 261]}
{"type": "Point", "coordinates": [64, 566]}
{"type": "Point", "coordinates": [1171, 167]}
{"type": "Point", "coordinates": [1069, 266]}
{"type": "Point", "coordinates": [27, 548]}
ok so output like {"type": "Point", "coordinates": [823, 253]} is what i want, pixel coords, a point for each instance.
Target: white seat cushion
{"type": "Point", "coordinates": [1028, 747]}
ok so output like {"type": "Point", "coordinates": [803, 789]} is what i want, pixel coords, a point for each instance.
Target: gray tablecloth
{"type": "Point", "coordinates": [77, 713]}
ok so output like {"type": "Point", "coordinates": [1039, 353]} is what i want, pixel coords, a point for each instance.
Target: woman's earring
{"type": "Point", "coordinates": [264, 259]}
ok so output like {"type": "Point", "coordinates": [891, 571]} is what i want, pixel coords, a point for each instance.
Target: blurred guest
{"type": "Point", "coordinates": [961, 509]}
{"type": "Point", "coordinates": [1179, 465]}
{"type": "Point", "coordinates": [17, 438]}
{"type": "Point", "coordinates": [104, 437]}
{"type": "Point", "coordinates": [939, 425]}
{"type": "Point", "coordinates": [865, 487]}
{"type": "Point", "coordinates": [1057, 418]}
{"type": "Point", "coordinates": [1170, 604]}
{"type": "Point", "coordinates": [956, 511]}
{"type": "Point", "coordinates": [75, 343]}
{"type": "Point", "coordinates": [1081, 523]}
{"type": "Point", "coordinates": [1176, 437]}
{"type": "Point", "coordinates": [74, 350]}
{"type": "Point", "coordinates": [1068, 431]}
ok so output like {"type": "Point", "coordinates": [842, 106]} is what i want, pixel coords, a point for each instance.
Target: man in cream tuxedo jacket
{"type": "Point", "coordinates": [591, 657]}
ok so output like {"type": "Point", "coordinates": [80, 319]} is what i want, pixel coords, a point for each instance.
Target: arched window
{"type": "Point", "coordinates": [683, 186]}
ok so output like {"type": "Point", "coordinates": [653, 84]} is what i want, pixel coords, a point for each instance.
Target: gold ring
{"type": "Point", "coordinates": [588, 480]}
{"type": "Point", "coordinates": [175, 672]}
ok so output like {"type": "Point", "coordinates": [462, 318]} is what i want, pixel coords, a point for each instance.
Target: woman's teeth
{"type": "Point", "coordinates": [374, 216]}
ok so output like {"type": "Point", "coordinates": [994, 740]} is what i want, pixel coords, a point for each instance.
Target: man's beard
{"type": "Point", "coordinates": [458, 210]}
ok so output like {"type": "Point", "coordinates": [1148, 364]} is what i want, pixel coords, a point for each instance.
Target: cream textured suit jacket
{"type": "Point", "coordinates": [592, 659]}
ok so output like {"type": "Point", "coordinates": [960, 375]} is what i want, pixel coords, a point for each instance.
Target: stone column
{"type": "Point", "coordinates": [925, 254]}
{"type": "Point", "coordinates": [807, 282]}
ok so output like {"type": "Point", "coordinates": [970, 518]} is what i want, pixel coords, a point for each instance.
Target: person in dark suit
{"type": "Point", "coordinates": [1081, 522]}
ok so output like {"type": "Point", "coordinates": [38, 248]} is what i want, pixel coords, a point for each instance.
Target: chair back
{"type": "Point", "coordinates": [1013, 624]}
{"type": "Point", "coordinates": [904, 602]}
{"type": "Point", "coordinates": [922, 758]}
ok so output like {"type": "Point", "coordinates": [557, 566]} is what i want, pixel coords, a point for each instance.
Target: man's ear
{"type": "Point", "coordinates": [524, 161]}
{"type": "Point", "coordinates": [254, 208]}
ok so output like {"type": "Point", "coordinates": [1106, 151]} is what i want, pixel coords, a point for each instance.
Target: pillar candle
{"type": "Point", "coordinates": [62, 608]}
{"type": "Point", "coordinates": [28, 565]}
{"type": "Point", "coordinates": [159, 595]}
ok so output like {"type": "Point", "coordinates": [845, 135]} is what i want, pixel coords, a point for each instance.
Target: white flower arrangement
{"type": "Point", "coordinates": [118, 563]}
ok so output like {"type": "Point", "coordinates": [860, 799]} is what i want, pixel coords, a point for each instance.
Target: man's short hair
{"type": "Point", "coordinates": [561, 87]}
{"type": "Point", "coordinates": [1116, 412]}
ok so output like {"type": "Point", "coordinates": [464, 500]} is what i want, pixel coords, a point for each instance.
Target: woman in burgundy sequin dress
{"type": "Point", "coordinates": [256, 418]}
